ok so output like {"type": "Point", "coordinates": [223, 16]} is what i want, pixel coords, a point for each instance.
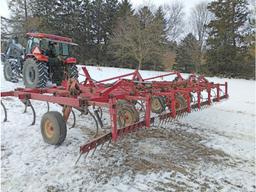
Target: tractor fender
{"type": "Point", "coordinates": [70, 60]}
{"type": "Point", "coordinates": [36, 53]}
{"type": "Point", "coordinates": [40, 57]}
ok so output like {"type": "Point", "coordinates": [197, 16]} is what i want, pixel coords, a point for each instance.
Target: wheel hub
{"type": "Point", "coordinates": [180, 102]}
{"type": "Point", "coordinates": [157, 105]}
{"type": "Point", "coordinates": [32, 74]}
{"type": "Point", "coordinates": [48, 127]}
{"type": "Point", "coordinates": [126, 117]}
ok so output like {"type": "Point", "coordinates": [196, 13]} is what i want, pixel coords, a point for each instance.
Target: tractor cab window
{"type": "Point", "coordinates": [32, 43]}
{"type": "Point", "coordinates": [63, 49]}
{"type": "Point", "coordinates": [35, 43]}
{"type": "Point", "coordinates": [43, 45]}
{"type": "Point", "coordinates": [29, 45]}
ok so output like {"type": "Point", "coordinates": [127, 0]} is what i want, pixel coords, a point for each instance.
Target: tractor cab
{"type": "Point", "coordinates": [51, 46]}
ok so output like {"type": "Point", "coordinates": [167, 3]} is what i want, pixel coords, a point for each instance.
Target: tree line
{"type": "Point", "coordinates": [111, 33]}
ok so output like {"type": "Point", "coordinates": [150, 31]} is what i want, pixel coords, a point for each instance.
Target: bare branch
{"type": "Point", "coordinates": [175, 22]}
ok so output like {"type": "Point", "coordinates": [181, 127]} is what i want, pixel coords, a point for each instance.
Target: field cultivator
{"type": "Point", "coordinates": [133, 102]}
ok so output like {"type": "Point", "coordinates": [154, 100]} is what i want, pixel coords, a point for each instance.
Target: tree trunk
{"type": "Point", "coordinates": [140, 63]}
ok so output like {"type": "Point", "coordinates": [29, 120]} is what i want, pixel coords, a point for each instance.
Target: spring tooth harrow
{"type": "Point", "coordinates": [133, 103]}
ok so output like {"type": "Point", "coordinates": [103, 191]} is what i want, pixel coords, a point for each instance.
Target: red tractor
{"type": "Point", "coordinates": [46, 58]}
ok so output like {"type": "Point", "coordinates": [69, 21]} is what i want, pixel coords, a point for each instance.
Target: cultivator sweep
{"type": "Point", "coordinates": [133, 103]}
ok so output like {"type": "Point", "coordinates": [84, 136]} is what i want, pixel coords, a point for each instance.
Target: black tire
{"type": "Point", "coordinates": [182, 102]}
{"type": "Point", "coordinates": [157, 104]}
{"type": "Point", "coordinates": [72, 71]}
{"type": "Point", "coordinates": [2, 58]}
{"type": "Point", "coordinates": [53, 128]}
{"type": "Point", "coordinates": [58, 74]}
{"type": "Point", "coordinates": [8, 71]}
{"type": "Point", "coordinates": [35, 74]}
{"type": "Point", "coordinates": [128, 110]}
{"type": "Point", "coordinates": [11, 70]}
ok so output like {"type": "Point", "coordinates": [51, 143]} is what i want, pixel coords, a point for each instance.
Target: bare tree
{"type": "Point", "coordinates": [175, 20]}
{"type": "Point", "coordinates": [137, 40]}
{"type": "Point", "coordinates": [199, 18]}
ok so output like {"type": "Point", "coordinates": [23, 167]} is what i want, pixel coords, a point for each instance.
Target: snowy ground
{"type": "Point", "coordinates": [209, 150]}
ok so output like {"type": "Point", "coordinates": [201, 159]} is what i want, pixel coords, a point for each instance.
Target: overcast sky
{"type": "Point", "coordinates": [188, 4]}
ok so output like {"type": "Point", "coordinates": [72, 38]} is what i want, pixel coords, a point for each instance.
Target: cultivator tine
{"type": "Point", "coordinates": [101, 146]}
{"type": "Point", "coordinates": [162, 122]}
{"type": "Point", "coordinates": [96, 122]}
{"type": "Point", "coordinates": [96, 113]}
{"type": "Point", "coordinates": [109, 143]}
{"type": "Point", "coordinates": [152, 124]}
{"type": "Point", "coordinates": [33, 111]}
{"type": "Point", "coordinates": [48, 106]}
{"type": "Point", "coordinates": [159, 122]}
{"type": "Point", "coordinates": [86, 155]}
{"type": "Point", "coordinates": [74, 120]}
{"type": "Point", "coordinates": [93, 151]}
{"type": "Point", "coordinates": [5, 111]}
{"type": "Point", "coordinates": [26, 106]}
{"type": "Point", "coordinates": [78, 158]}
{"type": "Point", "coordinates": [166, 120]}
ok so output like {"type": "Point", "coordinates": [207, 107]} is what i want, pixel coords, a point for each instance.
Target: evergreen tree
{"type": "Point", "coordinates": [125, 9]}
{"type": "Point", "coordinates": [157, 60]}
{"type": "Point", "coordinates": [103, 22]}
{"type": "Point", "coordinates": [225, 42]}
{"type": "Point", "coordinates": [188, 54]}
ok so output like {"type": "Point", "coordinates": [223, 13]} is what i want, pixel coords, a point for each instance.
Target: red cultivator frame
{"type": "Point", "coordinates": [132, 103]}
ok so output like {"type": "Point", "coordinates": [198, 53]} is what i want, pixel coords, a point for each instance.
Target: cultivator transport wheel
{"type": "Point", "coordinates": [72, 71]}
{"type": "Point", "coordinates": [53, 128]}
{"type": "Point", "coordinates": [157, 104]}
{"type": "Point", "coordinates": [181, 102]}
{"type": "Point", "coordinates": [11, 71]}
{"type": "Point", "coordinates": [35, 73]}
{"type": "Point", "coordinates": [127, 115]}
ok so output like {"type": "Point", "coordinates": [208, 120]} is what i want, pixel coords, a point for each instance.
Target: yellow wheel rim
{"type": "Point", "coordinates": [155, 104]}
{"type": "Point", "coordinates": [48, 128]}
{"type": "Point", "coordinates": [126, 118]}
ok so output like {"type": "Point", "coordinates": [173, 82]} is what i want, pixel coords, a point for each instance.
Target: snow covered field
{"type": "Point", "coordinates": [209, 150]}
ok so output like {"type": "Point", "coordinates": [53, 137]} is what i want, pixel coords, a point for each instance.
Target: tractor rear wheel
{"type": "Point", "coordinates": [72, 71]}
{"type": "Point", "coordinates": [11, 71]}
{"type": "Point", "coordinates": [53, 128]}
{"type": "Point", "coordinates": [35, 73]}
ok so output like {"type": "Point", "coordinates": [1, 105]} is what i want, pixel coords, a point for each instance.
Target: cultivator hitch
{"type": "Point", "coordinates": [132, 103]}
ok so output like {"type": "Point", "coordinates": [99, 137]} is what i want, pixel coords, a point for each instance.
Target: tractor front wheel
{"type": "Point", "coordinates": [35, 73]}
{"type": "Point", "coordinates": [53, 128]}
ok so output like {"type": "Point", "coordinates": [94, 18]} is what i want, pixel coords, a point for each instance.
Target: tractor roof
{"type": "Point", "coordinates": [52, 37]}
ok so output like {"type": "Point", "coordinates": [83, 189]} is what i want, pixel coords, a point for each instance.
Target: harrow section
{"type": "Point", "coordinates": [132, 102]}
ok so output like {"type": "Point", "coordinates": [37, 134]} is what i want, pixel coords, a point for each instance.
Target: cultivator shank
{"type": "Point", "coordinates": [133, 103]}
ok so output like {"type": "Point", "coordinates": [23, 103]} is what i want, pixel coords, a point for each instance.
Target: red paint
{"type": "Point", "coordinates": [102, 94]}
{"type": "Point", "coordinates": [70, 60]}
